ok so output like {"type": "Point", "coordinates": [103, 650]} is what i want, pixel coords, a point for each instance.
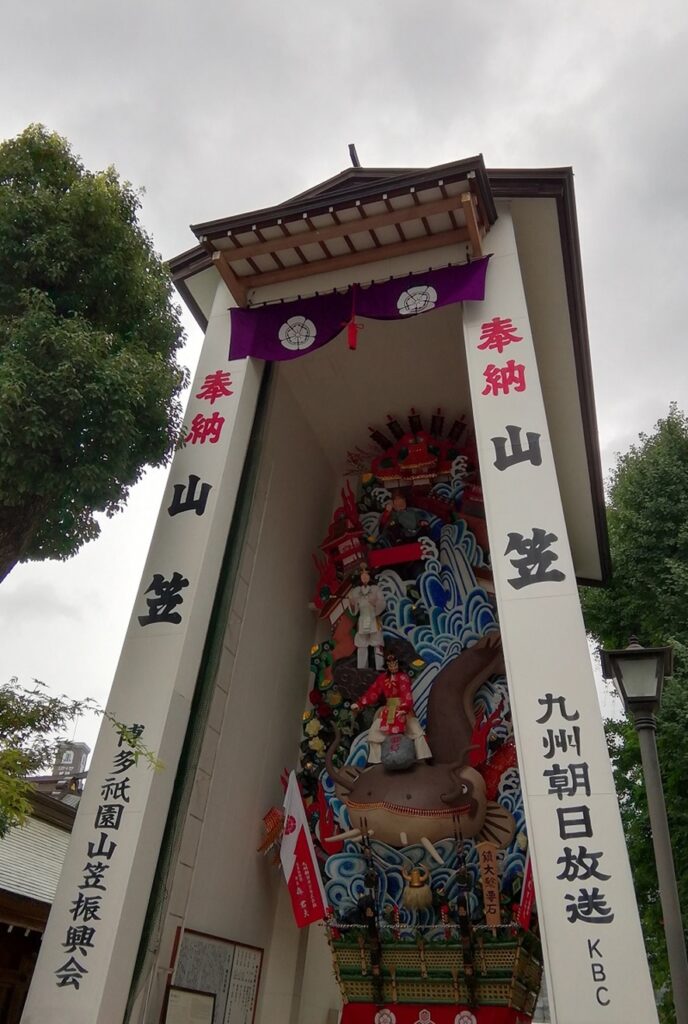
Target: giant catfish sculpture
{"type": "Point", "coordinates": [429, 802]}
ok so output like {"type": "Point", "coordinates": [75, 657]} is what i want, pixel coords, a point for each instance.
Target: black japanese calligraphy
{"type": "Point", "coordinates": [567, 781]}
{"type": "Point", "coordinates": [70, 974]}
{"type": "Point", "coordinates": [115, 789]}
{"type": "Point", "coordinates": [534, 564]}
{"type": "Point", "coordinates": [94, 872]}
{"type": "Point", "coordinates": [590, 905]}
{"type": "Point", "coordinates": [129, 733]}
{"type": "Point", "coordinates": [104, 848]}
{"type": "Point", "coordinates": [574, 822]}
{"type": "Point", "coordinates": [548, 702]}
{"type": "Point", "coordinates": [560, 739]}
{"type": "Point", "coordinates": [518, 453]}
{"type": "Point", "coordinates": [580, 866]}
{"type": "Point", "coordinates": [79, 937]}
{"type": "Point", "coordinates": [167, 597]}
{"type": "Point", "coordinates": [192, 502]}
{"type": "Point", "coordinates": [123, 761]}
{"type": "Point", "coordinates": [86, 907]}
{"type": "Point", "coordinates": [109, 816]}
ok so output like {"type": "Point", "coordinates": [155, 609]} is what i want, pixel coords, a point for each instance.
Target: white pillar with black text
{"type": "Point", "coordinates": [594, 955]}
{"type": "Point", "coordinates": [85, 967]}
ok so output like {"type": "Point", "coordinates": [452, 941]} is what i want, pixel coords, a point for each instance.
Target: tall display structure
{"type": "Point", "coordinates": [395, 378]}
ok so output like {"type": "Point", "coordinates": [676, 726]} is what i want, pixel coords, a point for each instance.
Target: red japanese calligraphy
{"type": "Point", "coordinates": [215, 385]}
{"type": "Point", "coordinates": [497, 333]}
{"type": "Point", "coordinates": [504, 378]}
{"type": "Point", "coordinates": [205, 428]}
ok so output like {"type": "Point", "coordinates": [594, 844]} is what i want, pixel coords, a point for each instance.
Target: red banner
{"type": "Point", "coordinates": [299, 862]}
{"type": "Point", "coordinates": [525, 910]}
{"type": "Point", "coordinates": [417, 1013]}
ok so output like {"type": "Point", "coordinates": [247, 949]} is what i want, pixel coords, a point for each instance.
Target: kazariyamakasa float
{"type": "Point", "coordinates": [357, 644]}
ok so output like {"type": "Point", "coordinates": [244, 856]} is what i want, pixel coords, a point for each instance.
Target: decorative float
{"type": "Point", "coordinates": [408, 769]}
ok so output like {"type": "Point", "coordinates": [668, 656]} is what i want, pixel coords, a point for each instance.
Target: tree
{"type": "Point", "coordinates": [647, 513]}
{"type": "Point", "coordinates": [28, 722]}
{"type": "Point", "coordinates": [89, 383]}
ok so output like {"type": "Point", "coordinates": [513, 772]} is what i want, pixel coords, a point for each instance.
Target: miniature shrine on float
{"type": "Point", "coordinates": [357, 644]}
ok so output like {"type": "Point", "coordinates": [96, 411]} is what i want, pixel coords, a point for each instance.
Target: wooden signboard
{"type": "Point", "coordinates": [489, 873]}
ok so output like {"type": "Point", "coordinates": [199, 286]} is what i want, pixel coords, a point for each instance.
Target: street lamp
{"type": "Point", "coordinates": [638, 673]}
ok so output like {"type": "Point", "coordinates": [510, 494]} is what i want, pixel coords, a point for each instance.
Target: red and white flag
{"type": "Point", "coordinates": [525, 910]}
{"type": "Point", "coordinates": [299, 861]}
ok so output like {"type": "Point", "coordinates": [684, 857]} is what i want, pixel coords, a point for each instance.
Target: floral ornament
{"type": "Point", "coordinates": [317, 745]}
{"type": "Point", "coordinates": [313, 727]}
{"type": "Point", "coordinates": [385, 1017]}
{"type": "Point", "coordinates": [416, 300]}
{"type": "Point", "coordinates": [465, 1017]}
{"type": "Point", "coordinates": [424, 1017]}
{"type": "Point", "coordinates": [297, 333]}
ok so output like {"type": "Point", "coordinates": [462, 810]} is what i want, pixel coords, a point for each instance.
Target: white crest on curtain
{"type": "Point", "coordinates": [298, 332]}
{"type": "Point", "coordinates": [417, 300]}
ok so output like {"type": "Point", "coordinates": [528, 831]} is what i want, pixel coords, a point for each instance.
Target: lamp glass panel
{"type": "Point", "coordinates": [639, 676]}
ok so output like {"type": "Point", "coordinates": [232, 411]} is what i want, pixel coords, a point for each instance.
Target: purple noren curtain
{"type": "Point", "coordinates": [288, 330]}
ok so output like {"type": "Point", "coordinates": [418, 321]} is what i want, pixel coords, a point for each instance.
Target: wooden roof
{"type": "Point", "coordinates": [333, 225]}
{"type": "Point", "coordinates": [360, 216]}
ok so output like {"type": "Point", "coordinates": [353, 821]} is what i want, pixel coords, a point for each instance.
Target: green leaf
{"type": "Point", "coordinates": [89, 382]}
{"type": "Point", "coordinates": [648, 530]}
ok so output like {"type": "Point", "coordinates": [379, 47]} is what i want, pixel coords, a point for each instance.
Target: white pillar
{"type": "Point", "coordinates": [123, 811]}
{"type": "Point", "coordinates": [594, 955]}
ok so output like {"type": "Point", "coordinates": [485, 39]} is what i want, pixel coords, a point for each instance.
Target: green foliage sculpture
{"type": "Point", "coordinates": [648, 528]}
{"type": "Point", "coordinates": [89, 384]}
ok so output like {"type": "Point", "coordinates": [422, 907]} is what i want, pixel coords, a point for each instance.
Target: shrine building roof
{"type": "Point", "coordinates": [362, 215]}
{"type": "Point", "coordinates": [368, 224]}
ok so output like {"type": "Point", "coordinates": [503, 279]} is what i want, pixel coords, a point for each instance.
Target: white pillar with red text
{"type": "Point", "coordinates": [593, 948]}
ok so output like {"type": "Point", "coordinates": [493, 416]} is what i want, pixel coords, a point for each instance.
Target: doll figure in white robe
{"type": "Point", "coordinates": [367, 602]}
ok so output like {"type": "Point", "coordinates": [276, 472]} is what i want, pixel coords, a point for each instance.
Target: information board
{"type": "Point", "coordinates": [186, 1006]}
{"type": "Point", "coordinates": [230, 970]}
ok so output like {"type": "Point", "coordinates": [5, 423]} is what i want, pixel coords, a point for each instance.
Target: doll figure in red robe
{"type": "Point", "coordinates": [397, 716]}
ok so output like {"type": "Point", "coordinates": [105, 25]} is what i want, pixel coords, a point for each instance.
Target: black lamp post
{"type": "Point", "coordinates": [638, 673]}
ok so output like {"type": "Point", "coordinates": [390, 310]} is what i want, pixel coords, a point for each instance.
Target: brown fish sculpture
{"type": "Point", "coordinates": [430, 802]}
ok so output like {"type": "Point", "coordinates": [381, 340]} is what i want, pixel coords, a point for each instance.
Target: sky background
{"type": "Point", "coordinates": [221, 107]}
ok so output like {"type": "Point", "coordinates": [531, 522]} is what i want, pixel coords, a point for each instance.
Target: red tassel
{"type": "Point", "coordinates": [352, 329]}
{"type": "Point", "coordinates": [352, 325]}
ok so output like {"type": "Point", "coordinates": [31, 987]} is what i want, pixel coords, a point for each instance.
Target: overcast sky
{"type": "Point", "coordinates": [221, 107]}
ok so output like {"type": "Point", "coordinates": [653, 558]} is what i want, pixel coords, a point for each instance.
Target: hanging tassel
{"type": "Point", "coordinates": [352, 325]}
